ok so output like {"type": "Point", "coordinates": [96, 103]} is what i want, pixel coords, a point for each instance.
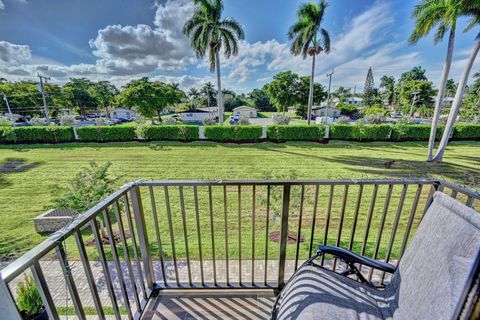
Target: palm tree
{"type": "Point", "coordinates": [194, 94]}
{"type": "Point", "coordinates": [208, 91]}
{"type": "Point", "coordinates": [307, 35]}
{"type": "Point", "coordinates": [209, 34]}
{"type": "Point", "coordinates": [428, 15]}
{"type": "Point", "coordinates": [471, 8]}
{"type": "Point", "coordinates": [388, 83]}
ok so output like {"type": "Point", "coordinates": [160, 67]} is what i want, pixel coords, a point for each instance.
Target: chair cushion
{"type": "Point", "coordinates": [317, 293]}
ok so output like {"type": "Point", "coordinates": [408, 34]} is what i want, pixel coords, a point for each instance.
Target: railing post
{"type": "Point", "coordinates": [139, 217]}
{"type": "Point", "coordinates": [8, 308]}
{"type": "Point", "coordinates": [283, 236]}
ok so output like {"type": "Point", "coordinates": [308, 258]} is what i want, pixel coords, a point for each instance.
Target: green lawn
{"type": "Point", "coordinates": [29, 173]}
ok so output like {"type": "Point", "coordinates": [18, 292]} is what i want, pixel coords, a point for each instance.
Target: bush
{"type": "Point", "coordinates": [233, 133]}
{"type": "Point", "coordinates": [171, 132]}
{"type": "Point", "coordinates": [37, 121]}
{"type": "Point", "coordinates": [281, 120]}
{"type": "Point", "coordinates": [360, 132]}
{"type": "Point", "coordinates": [413, 132]}
{"type": "Point", "coordinates": [7, 135]}
{"type": "Point", "coordinates": [244, 122]}
{"type": "Point", "coordinates": [67, 120]}
{"type": "Point", "coordinates": [28, 297]}
{"type": "Point", "coordinates": [209, 122]}
{"type": "Point", "coordinates": [52, 134]}
{"type": "Point", "coordinates": [170, 120]}
{"type": "Point", "coordinates": [105, 134]}
{"type": "Point", "coordinates": [466, 132]}
{"type": "Point", "coordinates": [375, 119]}
{"type": "Point", "coordinates": [296, 133]}
{"type": "Point", "coordinates": [343, 120]}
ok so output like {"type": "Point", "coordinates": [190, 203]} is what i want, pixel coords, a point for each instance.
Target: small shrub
{"type": "Point", "coordinates": [343, 120]}
{"type": "Point", "coordinates": [209, 122]}
{"type": "Point", "coordinates": [171, 132]}
{"type": "Point", "coordinates": [37, 121]}
{"type": "Point", "coordinates": [375, 119]}
{"type": "Point", "coordinates": [466, 131]}
{"type": "Point", "coordinates": [296, 133]}
{"type": "Point", "coordinates": [243, 122]}
{"type": "Point", "coordinates": [281, 120]}
{"type": "Point", "coordinates": [67, 120]}
{"type": "Point", "coordinates": [5, 123]}
{"type": "Point", "coordinates": [7, 134]}
{"type": "Point", "coordinates": [233, 133]}
{"type": "Point", "coordinates": [99, 122]}
{"type": "Point", "coordinates": [170, 121]}
{"type": "Point", "coordinates": [28, 299]}
{"type": "Point", "coordinates": [106, 134]}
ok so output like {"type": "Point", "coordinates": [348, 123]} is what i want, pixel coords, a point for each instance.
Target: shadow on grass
{"type": "Point", "coordinates": [14, 165]}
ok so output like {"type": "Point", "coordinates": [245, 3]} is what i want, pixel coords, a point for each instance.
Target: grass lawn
{"type": "Point", "coordinates": [28, 173]}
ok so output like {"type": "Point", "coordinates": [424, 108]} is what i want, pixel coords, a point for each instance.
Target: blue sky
{"type": "Point", "coordinates": [119, 40]}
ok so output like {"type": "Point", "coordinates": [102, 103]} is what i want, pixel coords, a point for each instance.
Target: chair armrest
{"type": "Point", "coordinates": [349, 256]}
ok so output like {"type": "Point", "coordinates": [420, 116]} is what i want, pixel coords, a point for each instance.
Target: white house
{"type": "Point", "coordinates": [332, 112]}
{"type": "Point", "coordinates": [245, 112]}
{"type": "Point", "coordinates": [118, 113]}
{"type": "Point", "coordinates": [196, 116]}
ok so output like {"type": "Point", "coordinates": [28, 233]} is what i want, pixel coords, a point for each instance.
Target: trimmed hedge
{"type": "Point", "coordinates": [174, 132]}
{"type": "Point", "coordinates": [233, 133]}
{"type": "Point", "coordinates": [53, 134]}
{"type": "Point", "coordinates": [374, 132]}
{"type": "Point", "coordinates": [106, 134]}
{"type": "Point", "coordinates": [295, 132]}
{"type": "Point", "coordinates": [466, 132]}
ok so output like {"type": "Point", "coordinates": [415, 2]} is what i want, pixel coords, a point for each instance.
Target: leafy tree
{"type": "Point", "coordinates": [208, 92]}
{"type": "Point", "coordinates": [303, 93]}
{"type": "Point", "coordinates": [417, 73]}
{"type": "Point", "coordinates": [376, 109]}
{"type": "Point", "coordinates": [283, 90]}
{"type": "Point", "coordinates": [233, 100]}
{"type": "Point", "coordinates": [309, 38]}
{"type": "Point", "coordinates": [194, 96]}
{"type": "Point", "coordinates": [347, 109]}
{"type": "Point", "coordinates": [342, 93]}
{"type": "Point", "coordinates": [369, 91]}
{"type": "Point", "coordinates": [209, 34]}
{"type": "Point", "coordinates": [423, 98]}
{"type": "Point", "coordinates": [80, 94]}
{"type": "Point", "coordinates": [259, 99]}
{"type": "Point", "coordinates": [388, 84]}
{"type": "Point", "coordinates": [471, 104]}
{"type": "Point", "coordinates": [150, 98]}
{"type": "Point", "coordinates": [450, 88]}
{"type": "Point", "coordinates": [105, 93]}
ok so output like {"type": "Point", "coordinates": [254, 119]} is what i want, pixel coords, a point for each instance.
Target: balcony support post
{"type": "Point", "coordinates": [139, 216]}
{"type": "Point", "coordinates": [8, 308]}
{"type": "Point", "coordinates": [283, 237]}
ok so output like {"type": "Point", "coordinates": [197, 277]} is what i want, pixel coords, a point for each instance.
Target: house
{"type": "Point", "coordinates": [332, 112]}
{"type": "Point", "coordinates": [196, 116]}
{"type": "Point", "coordinates": [245, 112]}
{"type": "Point", "coordinates": [122, 113]}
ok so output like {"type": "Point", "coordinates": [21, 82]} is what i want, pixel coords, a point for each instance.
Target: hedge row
{"type": "Point", "coordinates": [36, 134]}
{"type": "Point", "coordinates": [105, 134]}
{"type": "Point", "coordinates": [295, 132]}
{"type": "Point", "coordinates": [387, 132]}
{"type": "Point", "coordinates": [379, 132]}
{"type": "Point", "coordinates": [235, 133]}
{"type": "Point", "coordinates": [184, 133]}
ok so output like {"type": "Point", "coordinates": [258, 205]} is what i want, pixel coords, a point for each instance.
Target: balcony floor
{"type": "Point", "coordinates": [211, 304]}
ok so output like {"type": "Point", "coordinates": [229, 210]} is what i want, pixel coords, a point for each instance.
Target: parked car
{"type": "Point", "coordinates": [234, 119]}
{"type": "Point", "coordinates": [123, 120]}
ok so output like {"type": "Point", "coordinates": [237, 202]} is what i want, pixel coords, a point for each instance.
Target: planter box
{"type": "Point", "coordinates": [53, 220]}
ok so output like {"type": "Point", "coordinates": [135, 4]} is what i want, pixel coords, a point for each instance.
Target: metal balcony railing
{"type": "Point", "coordinates": [161, 235]}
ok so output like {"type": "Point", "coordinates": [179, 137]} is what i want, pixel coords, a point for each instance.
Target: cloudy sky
{"type": "Point", "coordinates": [119, 40]}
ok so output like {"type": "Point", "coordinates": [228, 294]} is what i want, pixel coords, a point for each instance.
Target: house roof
{"type": "Point", "coordinates": [324, 107]}
{"type": "Point", "coordinates": [194, 111]}
{"type": "Point", "coordinates": [245, 107]}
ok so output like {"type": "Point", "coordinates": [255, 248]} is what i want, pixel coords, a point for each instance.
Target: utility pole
{"type": "Point", "coordinates": [414, 101]}
{"type": "Point", "coordinates": [42, 91]}
{"type": "Point", "coordinates": [329, 75]}
{"type": "Point", "coordinates": [8, 107]}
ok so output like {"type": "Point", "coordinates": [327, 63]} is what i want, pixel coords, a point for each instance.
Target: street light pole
{"type": "Point", "coordinates": [8, 107]}
{"type": "Point", "coordinates": [42, 91]}
{"type": "Point", "coordinates": [329, 75]}
{"type": "Point", "coordinates": [414, 100]}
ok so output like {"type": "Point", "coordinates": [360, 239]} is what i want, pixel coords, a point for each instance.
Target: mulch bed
{"type": "Point", "coordinates": [291, 237]}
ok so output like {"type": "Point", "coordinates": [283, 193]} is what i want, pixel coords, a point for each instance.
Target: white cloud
{"type": "Point", "coordinates": [14, 53]}
{"type": "Point", "coordinates": [2, 5]}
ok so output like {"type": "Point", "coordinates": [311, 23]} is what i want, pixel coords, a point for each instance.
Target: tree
{"type": "Point", "coordinates": [105, 93]}
{"type": "Point", "coordinates": [283, 90]}
{"type": "Point", "coordinates": [209, 93]}
{"type": "Point", "coordinates": [303, 94]}
{"type": "Point", "coordinates": [347, 109]}
{"type": "Point", "coordinates": [80, 93]}
{"type": "Point", "coordinates": [450, 88]}
{"type": "Point", "coordinates": [420, 91]}
{"type": "Point", "coordinates": [194, 96]}
{"type": "Point", "coordinates": [443, 15]}
{"type": "Point", "coordinates": [150, 98]}
{"type": "Point", "coordinates": [259, 99]}
{"type": "Point", "coordinates": [471, 104]}
{"type": "Point", "coordinates": [376, 109]}
{"type": "Point", "coordinates": [369, 91]}
{"type": "Point", "coordinates": [342, 93]}
{"type": "Point", "coordinates": [309, 38]}
{"type": "Point", "coordinates": [388, 84]}
{"type": "Point", "coordinates": [471, 8]}
{"type": "Point", "coordinates": [208, 33]}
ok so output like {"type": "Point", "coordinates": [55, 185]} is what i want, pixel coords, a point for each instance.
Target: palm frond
{"type": "Point", "coordinates": [325, 40]}
{"type": "Point", "coordinates": [233, 26]}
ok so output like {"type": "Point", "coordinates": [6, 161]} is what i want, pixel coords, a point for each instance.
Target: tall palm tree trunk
{"type": "Point", "coordinates": [219, 85]}
{"type": "Point", "coordinates": [457, 102]}
{"type": "Point", "coordinates": [441, 94]}
{"type": "Point", "coordinates": [310, 95]}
